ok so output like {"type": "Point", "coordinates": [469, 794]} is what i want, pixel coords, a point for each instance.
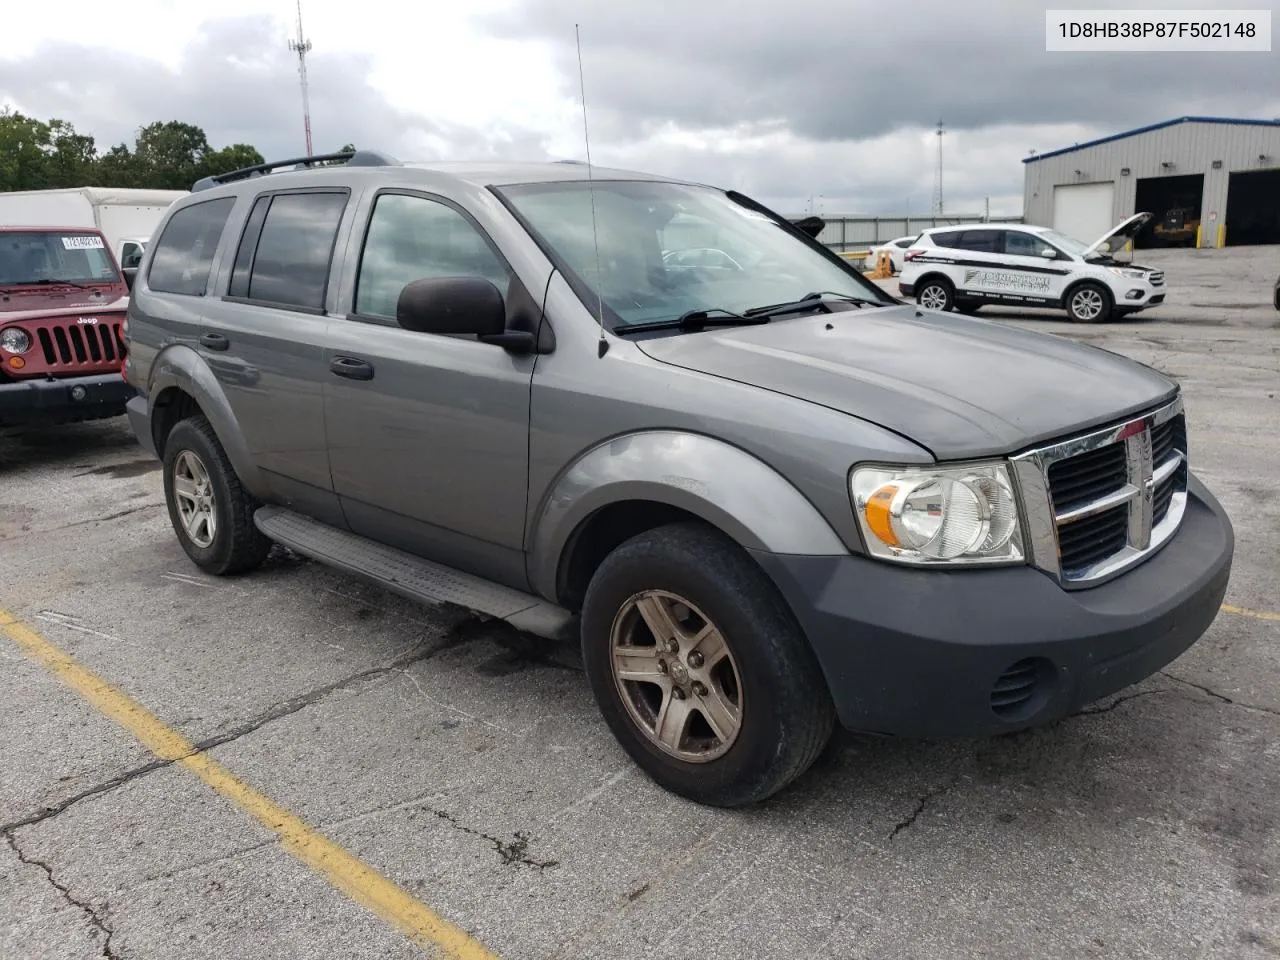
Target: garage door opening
{"type": "Point", "coordinates": [1084, 211]}
{"type": "Point", "coordinates": [1174, 205]}
{"type": "Point", "coordinates": [1253, 208]}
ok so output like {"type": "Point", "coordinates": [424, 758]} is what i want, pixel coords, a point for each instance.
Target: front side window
{"type": "Point", "coordinates": [50, 257]}
{"type": "Point", "coordinates": [290, 265]}
{"type": "Point", "coordinates": [1019, 244]}
{"type": "Point", "coordinates": [413, 238]}
{"type": "Point", "coordinates": [184, 252]}
{"type": "Point", "coordinates": [667, 248]}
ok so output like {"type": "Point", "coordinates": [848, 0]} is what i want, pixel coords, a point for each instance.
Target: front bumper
{"type": "Point", "coordinates": [66, 400]}
{"type": "Point", "coordinates": [927, 653]}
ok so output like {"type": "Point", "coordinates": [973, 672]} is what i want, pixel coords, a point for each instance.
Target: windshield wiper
{"type": "Point", "coordinates": [696, 320]}
{"type": "Point", "coordinates": [47, 282]}
{"type": "Point", "coordinates": [808, 301]}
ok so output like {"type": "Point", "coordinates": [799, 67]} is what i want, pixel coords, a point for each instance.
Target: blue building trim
{"type": "Point", "coordinates": [1155, 126]}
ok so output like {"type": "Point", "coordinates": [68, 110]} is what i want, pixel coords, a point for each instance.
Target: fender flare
{"type": "Point", "coordinates": [181, 367]}
{"type": "Point", "coordinates": [743, 496]}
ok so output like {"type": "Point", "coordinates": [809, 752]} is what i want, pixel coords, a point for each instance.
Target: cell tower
{"type": "Point", "coordinates": [937, 189]}
{"type": "Point", "coordinates": [302, 46]}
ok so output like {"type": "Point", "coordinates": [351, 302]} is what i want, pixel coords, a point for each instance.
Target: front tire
{"type": "Point", "coordinates": [700, 669]}
{"type": "Point", "coordinates": [1089, 303]}
{"type": "Point", "coordinates": [936, 293]}
{"type": "Point", "coordinates": [210, 511]}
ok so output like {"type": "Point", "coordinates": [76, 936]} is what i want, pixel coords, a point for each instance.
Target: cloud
{"type": "Point", "coordinates": [829, 99]}
{"type": "Point", "coordinates": [837, 71]}
{"type": "Point", "coordinates": [232, 80]}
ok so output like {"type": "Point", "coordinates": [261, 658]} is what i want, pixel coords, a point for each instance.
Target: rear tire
{"type": "Point", "coordinates": [753, 713]}
{"type": "Point", "coordinates": [210, 511]}
{"type": "Point", "coordinates": [936, 293]}
{"type": "Point", "coordinates": [1089, 303]}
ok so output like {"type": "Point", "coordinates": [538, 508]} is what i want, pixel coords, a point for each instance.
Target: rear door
{"type": "Point", "coordinates": [265, 338]}
{"type": "Point", "coordinates": [977, 253]}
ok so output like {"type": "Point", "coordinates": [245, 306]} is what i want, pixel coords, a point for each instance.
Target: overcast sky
{"type": "Point", "coordinates": [782, 99]}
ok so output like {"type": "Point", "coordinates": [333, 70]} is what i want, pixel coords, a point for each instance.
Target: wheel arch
{"type": "Point", "coordinates": [182, 384]}
{"type": "Point", "coordinates": [1079, 282]}
{"type": "Point", "coordinates": [630, 484]}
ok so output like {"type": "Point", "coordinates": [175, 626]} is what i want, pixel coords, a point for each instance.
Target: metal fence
{"type": "Point", "coordinates": [844, 234]}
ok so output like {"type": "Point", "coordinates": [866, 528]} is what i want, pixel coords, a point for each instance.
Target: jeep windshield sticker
{"type": "Point", "coordinates": [1005, 279]}
{"type": "Point", "coordinates": [82, 243]}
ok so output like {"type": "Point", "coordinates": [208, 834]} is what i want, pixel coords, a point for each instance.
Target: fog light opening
{"type": "Point", "coordinates": [78, 393]}
{"type": "Point", "coordinates": [1023, 689]}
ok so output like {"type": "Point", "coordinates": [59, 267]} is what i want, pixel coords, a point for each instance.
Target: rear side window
{"type": "Point", "coordinates": [980, 241]}
{"type": "Point", "coordinates": [184, 253]}
{"type": "Point", "coordinates": [288, 260]}
{"type": "Point", "coordinates": [948, 238]}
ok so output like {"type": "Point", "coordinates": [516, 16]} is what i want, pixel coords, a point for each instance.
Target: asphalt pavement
{"type": "Point", "coordinates": [333, 748]}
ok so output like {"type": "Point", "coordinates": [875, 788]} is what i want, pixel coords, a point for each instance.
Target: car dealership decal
{"type": "Point", "coordinates": [1006, 280]}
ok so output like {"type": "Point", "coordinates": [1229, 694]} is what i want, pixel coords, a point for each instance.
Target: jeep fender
{"type": "Point", "coordinates": [722, 484]}
{"type": "Point", "coordinates": [180, 366]}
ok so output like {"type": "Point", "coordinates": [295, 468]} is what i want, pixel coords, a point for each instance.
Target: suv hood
{"type": "Point", "coordinates": [960, 387]}
{"type": "Point", "coordinates": [1125, 230]}
{"type": "Point", "coordinates": [29, 303]}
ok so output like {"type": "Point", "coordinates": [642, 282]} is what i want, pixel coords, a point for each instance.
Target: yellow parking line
{"type": "Point", "coordinates": [346, 872]}
{"type": "Point", "coordinates": [1246, 612]}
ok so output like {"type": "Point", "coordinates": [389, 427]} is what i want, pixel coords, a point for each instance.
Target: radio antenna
{"type": "Point", "coordinates": [602, 345]}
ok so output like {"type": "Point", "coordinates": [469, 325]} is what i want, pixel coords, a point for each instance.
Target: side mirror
{"type": "Point", "coordinates": [1049, 253]}
{"type": "Point", "coordinates": [130, 274]}
{"type": "Point", "coordinates": [460, 305]}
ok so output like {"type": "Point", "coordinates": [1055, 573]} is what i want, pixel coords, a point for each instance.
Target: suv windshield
{"type": "Point", "coordinates": [54, 257]}
{"type": "Point", "coordinates": [667, 249]}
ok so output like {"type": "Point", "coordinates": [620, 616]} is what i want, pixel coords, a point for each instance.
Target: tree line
{"type": "Point", "coordinates": [42, 155]}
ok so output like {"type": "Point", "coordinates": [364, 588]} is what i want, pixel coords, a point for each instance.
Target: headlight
{"type": "Point", "coordinates": [963, 513]}
{"type": "Point", "coordinates": [15, 340]}
{"type": "Point", "coordinates": [1128, 274]}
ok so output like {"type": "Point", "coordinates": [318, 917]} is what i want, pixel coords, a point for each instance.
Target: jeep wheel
{"type": "Point", "coordinates": [211, 513]}
{"type": "Point", "coordinates": [699, 668]}
{"type": "Point", "coordinates": [1089, 303]}
{"type": "Point", "coordinates": [936, 294]}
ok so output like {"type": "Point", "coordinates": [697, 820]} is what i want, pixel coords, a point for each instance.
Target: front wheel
{"type": "Point", "coordinates": [936, 294]}
{"type": "Point", "coordinates": [1089, 303]}
{"type": "Point", "coordinates": [700, 669]}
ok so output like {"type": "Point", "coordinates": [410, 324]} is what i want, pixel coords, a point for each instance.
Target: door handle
{"type": "Point", "coordinates": [351, 368]}
{"type": "Point", "coordinates": [214, 341]}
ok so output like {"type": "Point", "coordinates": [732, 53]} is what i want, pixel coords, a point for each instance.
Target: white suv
{"type": "Point", "coordinates": [967, 266]}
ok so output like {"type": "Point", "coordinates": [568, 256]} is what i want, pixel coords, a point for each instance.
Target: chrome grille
{"type": "Point", "coordinates": [1156, 278]}
{"type": "Point", "coordinates": [1100, 503]}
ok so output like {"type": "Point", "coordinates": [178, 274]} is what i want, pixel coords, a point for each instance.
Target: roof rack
{"type": "Point", "coordinates": [352, 158]}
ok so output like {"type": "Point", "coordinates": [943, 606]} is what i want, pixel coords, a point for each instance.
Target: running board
{"type": "Point", "coordinates": [411, 576]}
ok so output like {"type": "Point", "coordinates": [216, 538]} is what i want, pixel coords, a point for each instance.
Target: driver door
{"type": "Point", "coordinates": [1031, 278]}
{"type": "Point", "coordinates": [428, 434]}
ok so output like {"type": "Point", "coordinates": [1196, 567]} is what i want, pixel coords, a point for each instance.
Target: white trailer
{"type": "Point", "coordinates": [126, 217]}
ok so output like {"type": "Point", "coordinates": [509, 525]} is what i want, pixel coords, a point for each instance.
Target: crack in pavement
{"type": "Point", "coordinates": [514, 852]}
{"type": "Point", "coordinates": [455, 636]}
{"type": "Point", "coordinates": [1223, 698]}
{"type": "Point", "coordinates": [923, 802]}
{"type": "Point", "coordinates": [95, 916]}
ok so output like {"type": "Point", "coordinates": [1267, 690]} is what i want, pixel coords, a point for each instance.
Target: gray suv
{"type": "Point", "coordinates": [766, 495]}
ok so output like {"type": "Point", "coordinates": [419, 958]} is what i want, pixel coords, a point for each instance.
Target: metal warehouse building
{"type": "Point", "coordinates": [1207, 181]}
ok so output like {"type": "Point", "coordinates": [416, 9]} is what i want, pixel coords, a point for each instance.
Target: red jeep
{"type": "Point", "coordinates": [62, 308]}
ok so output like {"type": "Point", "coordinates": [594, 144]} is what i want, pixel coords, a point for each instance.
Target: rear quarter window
{"type": "Point", "coordinates": [948, 238]}
{"type": "Point", "coordinates": [183, 255]}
